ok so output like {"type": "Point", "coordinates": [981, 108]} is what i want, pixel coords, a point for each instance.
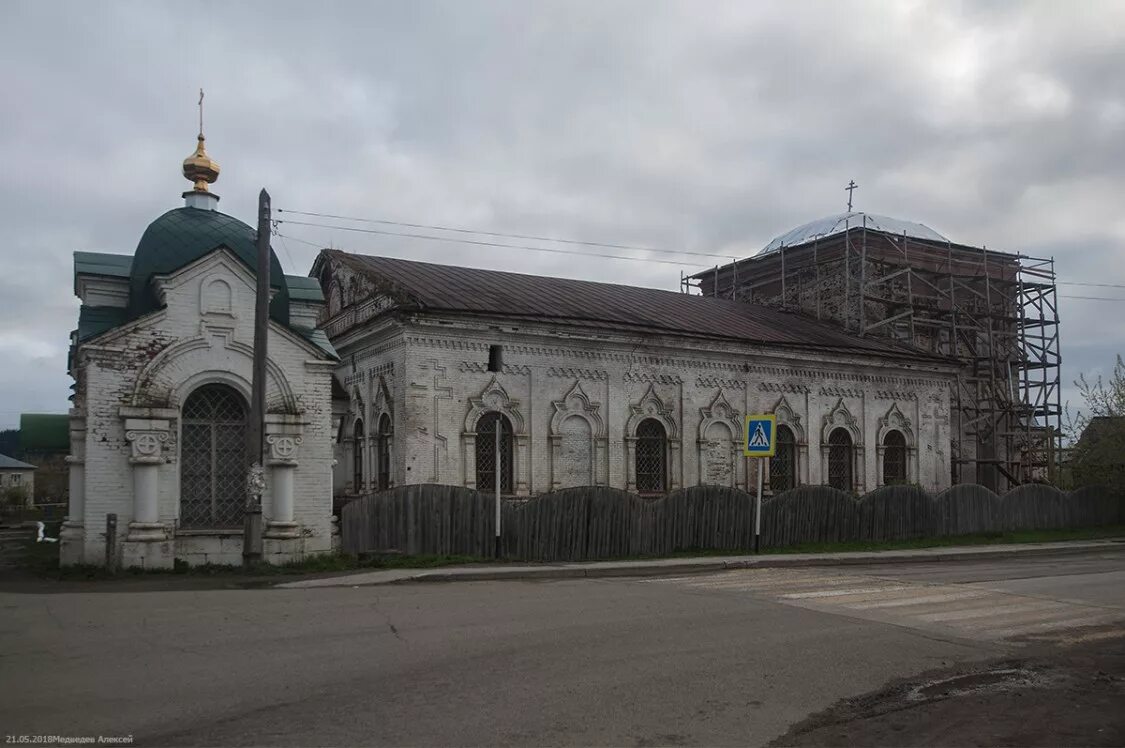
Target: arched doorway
{"type": "Point", "coordinates": [213, 458]}
{"type": "Point", "coordinates": [488, 461]}
{"type": "Point", "coordinates": [840, 460]}
{"type": "Point", "coordinates": [651, 461]}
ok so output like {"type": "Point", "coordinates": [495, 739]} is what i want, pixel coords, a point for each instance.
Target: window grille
{"type": "Point", "coordinates": [840, 460]}
{"type": "Point", "coordinates": [894, 458]}
{"type": "Point", "coordinates": [651, 457]}
{"type": "Point", "coordinates": [386, 432]}
{"type": "Point", "coordinates": [357, 456]}
{"type": "Point", "coordinates": [783, 465]}
{"type": "Point", "coordinates": [213, 466]}
{"type": "Point", "coordinates": [487, 458]}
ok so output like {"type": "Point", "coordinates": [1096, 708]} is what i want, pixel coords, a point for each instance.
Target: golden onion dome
{"type": "Point", "coordinates": [199, 168]}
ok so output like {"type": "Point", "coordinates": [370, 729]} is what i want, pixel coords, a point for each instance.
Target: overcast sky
{"type": "Point", "coordinates": [704, 126]}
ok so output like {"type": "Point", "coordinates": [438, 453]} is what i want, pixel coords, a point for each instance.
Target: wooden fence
{"type": "Point", "coordinates": [601, 523]}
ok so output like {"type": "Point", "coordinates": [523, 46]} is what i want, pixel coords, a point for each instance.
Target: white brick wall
{"type": "Point", "coordinates": [439, 368]}
{"type": "Point", "coordinates": [204, 335]}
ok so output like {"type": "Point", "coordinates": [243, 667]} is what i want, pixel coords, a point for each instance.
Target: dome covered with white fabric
{"type": "Point", "coordinates": [841, 222]}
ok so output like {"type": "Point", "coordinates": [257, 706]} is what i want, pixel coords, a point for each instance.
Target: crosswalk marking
{"type": "Point", "coordinates": [913, 600]}
{"type": "Point", "coordinates": [846, 592]}
{"type": "Point", "coordinates": [970, 611]}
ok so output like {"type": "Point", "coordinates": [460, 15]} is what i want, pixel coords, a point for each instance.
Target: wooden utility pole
{"type": "Point", "coordinates": [256, 476]}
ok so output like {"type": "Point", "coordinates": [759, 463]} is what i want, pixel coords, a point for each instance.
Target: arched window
{"type": "Point", "coordinates": [213, 458]}
{"type": "Point", "coordinates": [651, 457]}
{"type": "Point", "coordinates": [840, 460]}
{"type": "Point", "coordinates": [357, 456]}
{"type": "Point", "coordinates": [489, 462]}
{"type": "Point", "coordinates": [783, 465]}
{"type": "Point", "coordinates": [894, 458]}
{"type": "Point", "coordinates": [386, 432]}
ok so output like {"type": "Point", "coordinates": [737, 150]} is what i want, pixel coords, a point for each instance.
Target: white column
{"type": "Point", "coordinates": [72, 536]}
{"type": "Point", "coordinates": [145, 483]}
{"type": "Point", "coordinates": [147, 438]}
{"type": "Point", "coordinates": [282, 464]}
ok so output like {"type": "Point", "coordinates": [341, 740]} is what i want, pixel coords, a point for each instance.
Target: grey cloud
{"type": "Point", "coordinates": [707, 126]}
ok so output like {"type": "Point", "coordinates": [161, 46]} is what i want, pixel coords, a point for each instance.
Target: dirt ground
{"type": "Point", "coordinates": [1068, 692]}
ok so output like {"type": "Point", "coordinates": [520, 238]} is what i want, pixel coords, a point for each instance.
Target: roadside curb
{"type": "Point", "coordinates": [609, 569]}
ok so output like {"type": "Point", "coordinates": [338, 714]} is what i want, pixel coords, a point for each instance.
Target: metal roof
{"type": "Point", "coordinates": [303, 289]}
{"type": "Point", "coordinates": [11, 463]}
{"type": "Point", "coordinates": [318, 338]}
{"type": "Point", "coordinates": [100, 263]}
{"type": "Point", "coordinates": [183, 235]}
{"type": "Point", "coordinates": [431, 287]}
{"type": "Point", "coordinates": [94, 320]}
{"type": "Point", "coordinates": [841, 222]}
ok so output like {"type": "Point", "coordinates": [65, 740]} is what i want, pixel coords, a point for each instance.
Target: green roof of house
{"type": "Point", "coordinates": [44, 432]}
{"type": "Point", "coordinates": [303, 289]}
{"type": "Point", "coordinates": [182, 236]}
{"type": "Point", "coordinates": [11, 463]}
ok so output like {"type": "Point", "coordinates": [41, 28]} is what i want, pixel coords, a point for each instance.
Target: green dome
{"type": "Point", "coordinates": [182, 236]}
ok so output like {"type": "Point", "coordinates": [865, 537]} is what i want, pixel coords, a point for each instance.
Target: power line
{"type": "Point", "coordinates": [1093, 298]}
{"type": "Point", "coordinates": [315, 245]}
{"type": "Point", "coordinates": [1084, 283]}
{"type": "Point", "coordinates": [479, 243]}
{"type": "Point", "coordinates": [563, 241]}
{"type": "Point", "coordinates": [529, 237]}
{"type": "Point", "coordinates": [288, 254]}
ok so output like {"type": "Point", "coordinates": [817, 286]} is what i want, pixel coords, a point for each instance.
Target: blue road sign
{"type": "Point", "coordinates": [758, 436]}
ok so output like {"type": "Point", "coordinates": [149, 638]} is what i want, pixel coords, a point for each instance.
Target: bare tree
{"type": "Point", "coordinates": [1098, 455]}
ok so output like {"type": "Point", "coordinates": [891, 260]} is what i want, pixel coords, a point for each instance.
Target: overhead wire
{"type": "Point", "coordinates": [533, 237]}
{"type": "Point", "coordinates": [481, 243]}
{"type": "Point", "coordinates": [503, 235]}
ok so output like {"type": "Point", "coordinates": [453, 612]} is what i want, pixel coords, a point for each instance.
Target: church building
{"type": "Point", "coordinates": [387, 372]}
{"type": "Point", "coordinates": [162, 369]}
{"type": "Point", "coordinates": [611, 385]}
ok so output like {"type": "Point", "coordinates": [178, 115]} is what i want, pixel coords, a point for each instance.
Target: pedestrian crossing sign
{"type": "Point", "coordinates": [758, 436]}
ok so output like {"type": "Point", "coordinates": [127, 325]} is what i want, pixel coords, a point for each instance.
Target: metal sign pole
{"type": "Point", "coordinates": [496, 483]}
{"type": "Point", "coordinates": [758, 508]}
{"type": "Point", "coordinates": [759, 441]}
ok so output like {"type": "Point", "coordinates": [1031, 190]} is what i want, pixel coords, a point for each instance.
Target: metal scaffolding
{"type": "Point", "coordinates": [996, 312]}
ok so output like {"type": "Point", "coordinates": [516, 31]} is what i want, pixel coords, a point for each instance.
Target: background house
{"type": "Point", "coordinates": [15, 476]}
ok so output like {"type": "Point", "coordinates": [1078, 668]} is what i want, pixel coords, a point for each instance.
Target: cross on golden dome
{"type": "Point", "coordinates": [198, 167]}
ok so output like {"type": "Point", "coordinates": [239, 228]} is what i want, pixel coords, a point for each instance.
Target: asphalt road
{"type": "Point", "coordinates": [732, 658]}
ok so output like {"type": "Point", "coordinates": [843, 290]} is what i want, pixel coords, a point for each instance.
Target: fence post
{"type": "Point", "coordinates": [111, 542]}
